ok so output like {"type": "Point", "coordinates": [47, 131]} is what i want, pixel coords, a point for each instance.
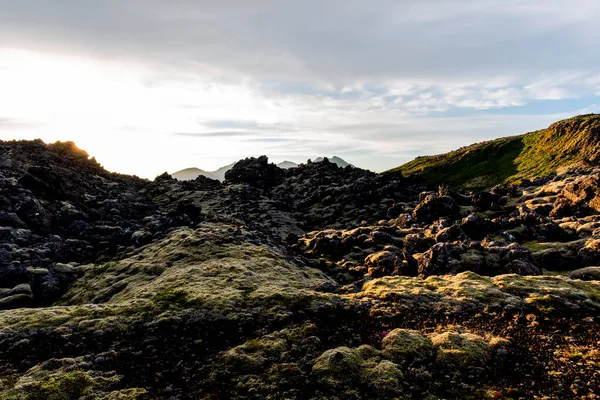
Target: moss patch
{"type": "Point", "coordinates": [468, 290]}
{"type": "Point", "coordinates": [69, 379]}
{"type": "Point", "coordinates": [402, 345]}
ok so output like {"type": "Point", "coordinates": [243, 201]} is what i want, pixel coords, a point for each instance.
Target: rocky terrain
{"type": "Point", "coordinates": [315, 282]}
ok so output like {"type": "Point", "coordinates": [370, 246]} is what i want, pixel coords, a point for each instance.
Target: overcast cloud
{"type": "Point", "coordinates": [184, 83]}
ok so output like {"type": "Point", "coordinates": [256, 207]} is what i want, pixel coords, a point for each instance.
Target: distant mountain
{"type": "Point", "coordinates": [335, 160]}
{"type": "Point", "coordinates": [192, 173]}
{"type": "Point", "coordinates": [287, 165]}
{"type": "Point", "coordinates": [568, 143]}
{"type": "Point", "coordinates": [220, 173]}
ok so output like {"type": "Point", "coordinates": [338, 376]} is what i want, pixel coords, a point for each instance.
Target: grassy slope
{"type": "Point", "coordinates": [539, 153]}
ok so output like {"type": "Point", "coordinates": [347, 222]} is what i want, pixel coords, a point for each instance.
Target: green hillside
{"type": "Point", "coordinates": [572, 141]}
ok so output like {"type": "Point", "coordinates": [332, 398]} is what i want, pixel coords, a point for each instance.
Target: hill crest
{"type": "Point", "coordinates": [564, 144]}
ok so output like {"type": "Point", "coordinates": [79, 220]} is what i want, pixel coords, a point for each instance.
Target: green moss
{"type": "Point", "coordinates": [535, 246]}
{"type": "Point", "coordinates": [541, 302]}
{"type": "Point", "coordinates": [384, 378]}
{"type": "Point", "coordinates": [460, 349]}
{"type": "Point", "coordinates": [217, 278]}
{"type": "Point", "coordinates": [549, 293]}
{"type": "Point", "coordinates": [368, 352]}
{"type": "Point", "coordinates": [336, 366]}
{"type": "Point", "coordinates": [66, 379]}
{"type": "Point", "coordinates": [174, 298]}
{"type": "Point", "coordinates": [469, 290]}
{"type": "Point", "coordinates": [255, 353]}
{"type": "Point", "coordinates": [72, 385]}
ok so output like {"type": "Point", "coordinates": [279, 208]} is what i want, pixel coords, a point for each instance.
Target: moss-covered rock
{"type": "Point", "coordinates": [66, 379]}
{"type": "Point", "coordinates": [404, 345]}
{"type": "Point", "coordinates": [384, 378]}
{"type": "Point", "coordinates": [337, 366]}
{"type": "Point", "coordinates": [586, 274]}
{"type": "Point", "coordinates": [460, 349]}
{"type": "Point", "coordinates": [203, 268]}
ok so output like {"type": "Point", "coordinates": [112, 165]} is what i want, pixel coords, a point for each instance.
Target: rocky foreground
{"type": "Point", "coordinates": [309, 283]}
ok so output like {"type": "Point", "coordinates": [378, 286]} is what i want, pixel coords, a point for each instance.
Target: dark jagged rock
{"type": "Point", "coordinates": [433, 207]}
{"type": "Point", "coordinates": [387, 262]}
{"type": "Point", "coordinates": [475, 226]}
{"type": "Point", "coordinates": [486, 200]}
{"type": "Point", "coordinates": [417, 243]}
{"type": "Point", "coordinates": [453, 258]}
{"type": "Point", "coordinates": [452, 233]}
{"type": "Point", "coordinates": [578, 198]}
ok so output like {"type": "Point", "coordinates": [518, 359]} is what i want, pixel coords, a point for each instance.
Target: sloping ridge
{"type": "Point", "coordinates": [571, 142]}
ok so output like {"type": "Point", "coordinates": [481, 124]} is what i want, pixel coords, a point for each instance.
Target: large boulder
{"type": "Point", "coordinates": [586, 274]}
{"type": "Point", "coordinates": [386, 262]}
{"type": "Point", "coordinates": [486, 200]}
{"type": "Point", "coordinates": [442, 258]}
{"type": "Point", "coordinates": [557, 259]}
{"type": "Point", "coordinates": [31, 211]}
{"type": "Point", "coordinates": [44, 181]}
{"type": "Point", "coordinates": [584, 190]}
{"type": "Point", "coordinates": [475, 226]}
{"type": "Point", "coordinates": [579, 198]}
{"type": "Point", "coordinates": [405, 345]}
{"type": "Point", "coordinates": [337, 367]}
{"type": "Point", "coordinates": [451, 234]}
{"type": "Point", "coordinates": [432, 207]}
{"type": "Point", "coordinates": [590, 253]}
{"type": "Point", "coordinates": [417, 243]}
{"type": "Point", "coordinates": [529, 217]}
{"type": "Point", "coordinates": [19, 296]}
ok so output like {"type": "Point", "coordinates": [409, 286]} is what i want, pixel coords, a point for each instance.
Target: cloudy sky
{"type": "Point", "coordinates": [149, 86]}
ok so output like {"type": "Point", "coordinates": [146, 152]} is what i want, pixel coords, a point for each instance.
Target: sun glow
{"type": "Point", "coordinates": [116, 111]}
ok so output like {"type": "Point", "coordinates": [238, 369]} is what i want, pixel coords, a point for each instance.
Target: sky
{"type": "Point", "coordinates": [148, 86]}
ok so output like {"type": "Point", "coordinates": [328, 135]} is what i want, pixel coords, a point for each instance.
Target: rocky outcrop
{"type": "Point", "coordinates": [580, 198]}
{"type": "Point", "coordinates": [255, 172]}
{"type": "Point", "coordinates": [325, 195]}
{"type": "Point", "coordinates": [450, 258]}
